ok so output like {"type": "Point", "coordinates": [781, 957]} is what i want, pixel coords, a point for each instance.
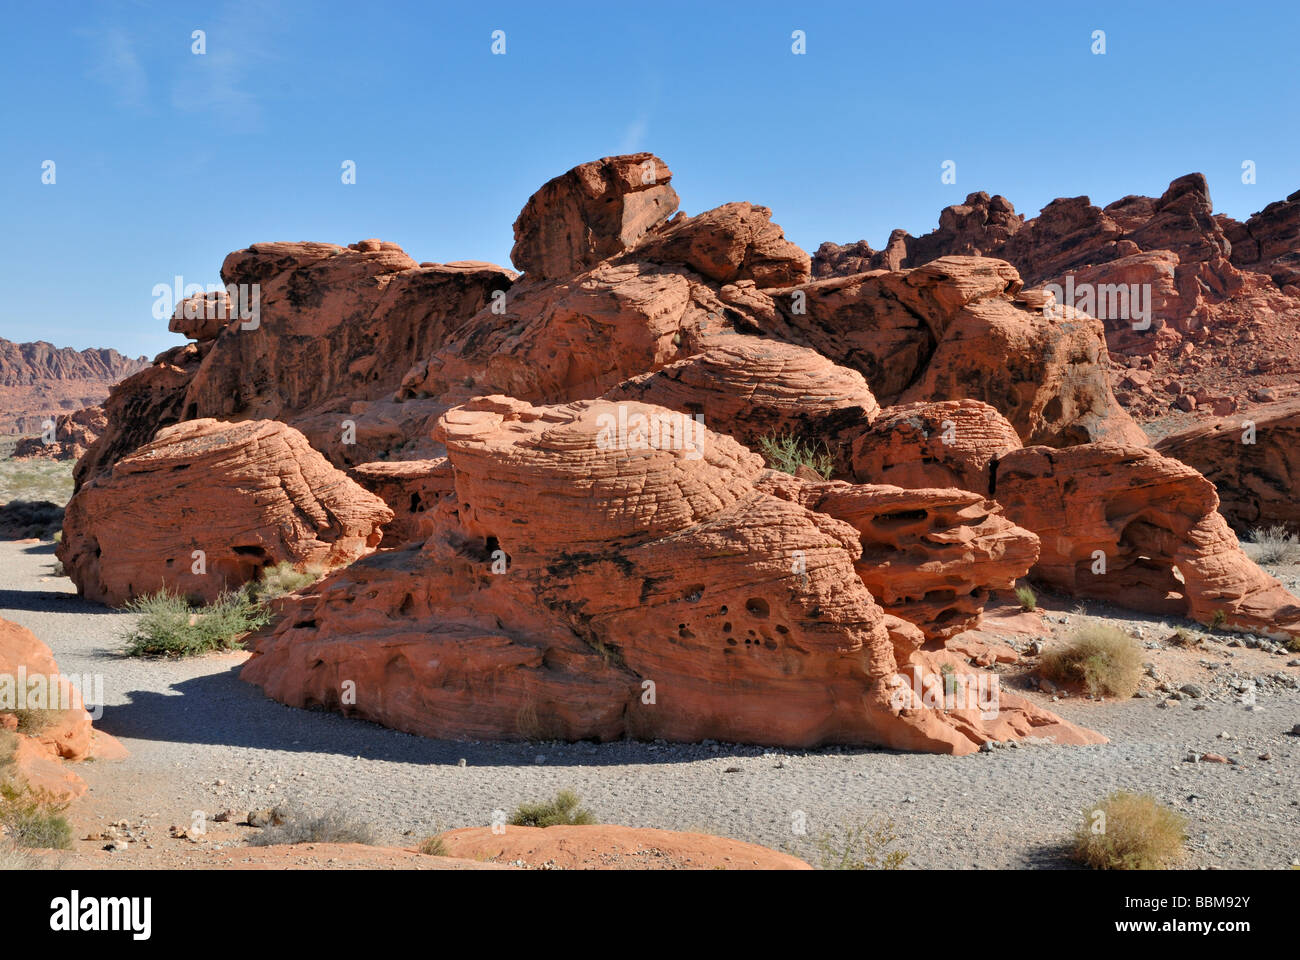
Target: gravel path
{"type": "Point", "coordinates": [199, 738]}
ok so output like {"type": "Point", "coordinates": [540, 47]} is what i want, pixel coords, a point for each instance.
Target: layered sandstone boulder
{"type": "Point", "coordinates": [410, 488]}
{"type": "Point", "coordinates": [947, 443]}
{"type": "Point", "coordinates": [1129, 526]}
{"type": "Point", "coordinates": [593, 580]}
{"type": "Point", "coordinates": [1269, 241]}
{"type": "Point", "coordinates": [730, 243]}
{"type": "Point", "coordinates": [591, 213]}
{"type": "Point", "coordinates": [206, 505]}
{"type": "Point", "coordinates": [754, 388]}
{"type": "Point", "coordinates": [46, 714]}
{"type": "Point", "coordinates": [1252, 459]}
{"type": "Point", "coordinates": [931, 557]}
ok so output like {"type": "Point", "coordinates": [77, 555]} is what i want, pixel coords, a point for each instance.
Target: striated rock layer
{"type": "Point", "coordinates": [581, 583]}
{"type": "Point", "coordinates": [244, 495]}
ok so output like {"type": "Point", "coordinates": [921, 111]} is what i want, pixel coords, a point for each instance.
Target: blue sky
{"type": "Point", "coordinates": [166, 161]}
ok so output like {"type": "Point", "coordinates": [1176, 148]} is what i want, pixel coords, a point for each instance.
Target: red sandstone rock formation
{"type": "Point", "coordinates": [30, 680]}
{"type": "Point", "coordinates": [411, 488]}
{"type": "Point", "coordinates": [582, 584]}
{"type": "Point", "coordinates": [592, 213]}
{"type": "Point", "coordinates": [929, 556]}
{"type": "Point", "coordinates": [752, 388]}
{"type": "Point", "coordinates": [74, 434]}
{"type": "Point", "coordinates": [954, 329]}
{"type": "Point", "coordinates": [247, 495]}
{"type": "Point", "coordinates": [1126, 525]}
{"type": "Point", "coordinates": [1252, 460]}
{"type": "Point", "coordinates": [40, 382]}
{"type": "Point", "coordinates": [947, 443]}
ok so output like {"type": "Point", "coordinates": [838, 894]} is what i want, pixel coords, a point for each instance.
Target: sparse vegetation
{"type": "Point", "coordinates": [282, 579]}
{"type": "Point", "coordinates": [1102, 659]}
{"type": "Point", "coordinates": [295, 825]}
{"type": "Point", "coordinates": [1272, 545]}
{"type": "Point", "coordinates": [1028, 599]}
{"type": "Point", "coordinates": [788, 453]}
{"type": "Point", "coordinates": [169, 626]}
{"type": "Point", "coordinates": [34, 480]}
{"type": "Point", "coordinates": [1130, 831]}
{"type": "Point", "coordinates": [434, 846]}
{"type": "Point", "coordinates": [861, 846]}
{"type": "Point", "coordinates": [39, 519]}
{"type": "Point", "coordinates": [1182, 637]}
{"type": "Point", "coordinates": [564, 810]}
{"type": "Point", "coordinates": [32, 722]}
{"type": "Point", "coordinates": [1216, 620]}
{"type": "Point", "coordinates": [33, 818]}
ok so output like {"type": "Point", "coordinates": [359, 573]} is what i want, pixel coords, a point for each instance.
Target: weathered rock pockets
{"type": "Point", "coordinates": [552, 568]}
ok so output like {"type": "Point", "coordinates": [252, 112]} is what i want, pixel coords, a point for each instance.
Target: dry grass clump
{"type": "Point", "coordinates": [1103, 660]}
{"type": "Point", "coordinates": [564, 810]}
{"type": "Point", "coordinates": [283, 579]}
{"type": "Point", "coordinates": [1028, 599]}
{"type": "Point", "coordinates": [1272, 545]}
{"type": "Point", "coordinates": [1130, 831]}
{"type": "Point", "coordinates": [861, 846]}
{"type": "Point", "coordinates": [291, 824]}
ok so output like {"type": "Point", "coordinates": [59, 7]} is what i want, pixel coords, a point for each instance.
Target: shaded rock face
{"type": "Point", "coordinates": [571, 589]}
{"type": "Point", "coordinates": [957, 328]}
{"type": "Point", "coordinates": [246, 495]}
{"type": "Point", "coordinates": [411, 489]}
{"type": "Point", "coordinates": [591, 213]}
{"type": "Point", "coordinates": [1253, 461]}
{"type": "Point", "coordinates": [929, 556]}
{"type": "Point", "coordinates": [1129, 526]}
{"type": "Point", "coordinates": [1269, 241]}
{"type": "Point", "coordinates": [74, 434]}
{"type": "Point", "coordinates": [948, 443]}
{"type": "Point", "coordinates": [754, 388]}
{"type": "Point", "coordinates": [40, 382]}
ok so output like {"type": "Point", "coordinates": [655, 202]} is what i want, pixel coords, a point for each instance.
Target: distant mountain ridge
{"type": "Point", "coordinates": [39, 381]}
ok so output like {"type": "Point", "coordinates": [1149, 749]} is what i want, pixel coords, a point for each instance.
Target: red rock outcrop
{"type": "Point", "coordinates": [411, 488]}
{"type": "Point", "coordinates": [247, 495]}
{"type": "Point", "coordinates": [74, 434]}
{"type": "Point", "coordinates": [591, 213]}
{"type": "Point", "coordinates": [730, 243]}
{"type": "Point", "coordinates": [1269, 241]}
{"type": "Point", "coordinates": [929, 556]}
{"type": "Point", "coordinates": [753, 388]}
{"type": "Point", "coordinates": [1253, 461]}
{"type": "Point", "coordinates": [581, 583]}
{"type": "Point", "coordinates": [1129, 526]}
{"type": "Point", "coordinates": [30, 681]}
{"type": "Point", "coordinates": [40, 382]}
{"type": "Point", "coordinates": [947, 443]}
{"type": "Point", "coordinates": [957, 328]}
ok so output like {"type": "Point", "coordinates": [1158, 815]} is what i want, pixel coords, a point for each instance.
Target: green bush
{"type": "Point", "coordinates": [1130, 831]}
{"type": "Point", "coordinates": [1028, 599]}
{"type": "Point", "coordinates": [788, 453]}
{"type": "Point", "coordinates": [563, 810]}
{"type": "Point", "coordinates": [282, 579]}
{"type": "Point", "coordinates": [33, 818]}
{"type": "Point", "coordinates": [169, 626]}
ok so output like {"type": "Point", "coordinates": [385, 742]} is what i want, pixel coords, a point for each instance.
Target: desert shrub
{"type": "Point", "coordinates": [169, 626]}
{"type": "Point", "coordinates": [434, 846]}
{"type": "Point", "coordinates": [1102, 659]}
{"type": "Point", "coordinates": [788, 453]}
{"type": "Point", "coordinates": [295, 825]}
{"type": "Point", "coordinates": [564, 810]}
{"type": "Point", "coordinates": [861, 846]}
{"type": "Point", "coordinates": [1028, 599]}
{"type": "Point", "coordinates": [1272, 545]}
{"type": "Point", "coordinates": [33, 818]}
{"type": "Point", "coordinates": [283, 579]}
{"type": "Point", "coordinates": [8, 747]}
{"type": "Point", "coordinates": [14, 857]}
{"type": "Point", "coordinates": [32, 722]}
{"type": "Point", "coordinates": [1182, 637]}
{"type": "Point", "coordinates": [1130, 831]}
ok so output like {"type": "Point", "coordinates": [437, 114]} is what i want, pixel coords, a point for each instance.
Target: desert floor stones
{"type": "Point", "coordinates": [244, 495]}
{"type": "Point", "coordinates": [578, 588]}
